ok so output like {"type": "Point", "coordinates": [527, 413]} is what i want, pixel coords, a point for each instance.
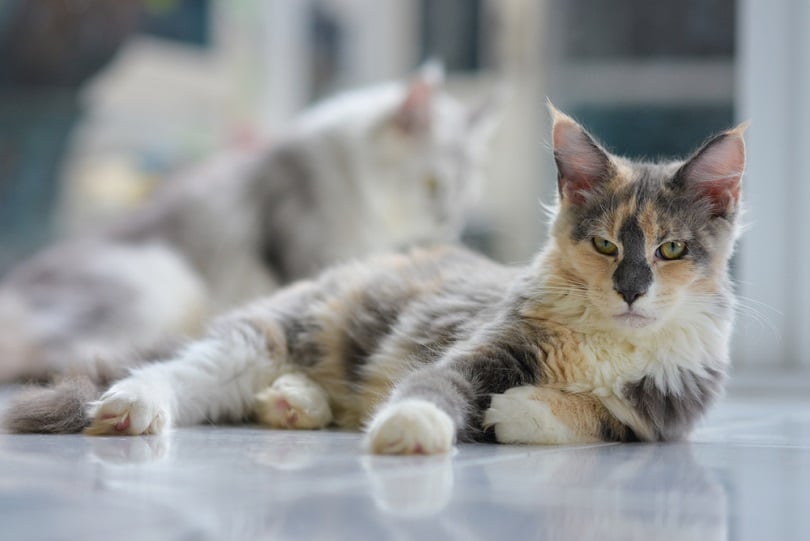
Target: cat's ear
{"type": "Point", "coordinates": [715, 171]}
{"type": "Point", "coordinates": [582, 165]}
{"type": "Point", "coordinates": [484, 117]}
{"type": "Point", "coordinates": [414, 112]}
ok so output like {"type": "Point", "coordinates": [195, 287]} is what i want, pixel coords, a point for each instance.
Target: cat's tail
{"type": "Point", "coordinates": [59, 409]}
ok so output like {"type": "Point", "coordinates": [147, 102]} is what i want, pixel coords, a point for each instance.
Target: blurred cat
{"type": "Point", "coordinates": [371, 170]}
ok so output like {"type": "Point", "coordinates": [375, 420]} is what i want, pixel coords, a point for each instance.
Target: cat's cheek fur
{"type": "Point", "coordinates": [517, 416]}
{"type": "Point", "coordinates": [409, 427]}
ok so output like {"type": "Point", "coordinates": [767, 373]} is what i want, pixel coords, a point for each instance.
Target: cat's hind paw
{"type": "Point", "coordinates": [126, 410]}
{"type": "Point", "coordinates": [293, 401]}
{"type": "Point", "coordinates": [411, 427]}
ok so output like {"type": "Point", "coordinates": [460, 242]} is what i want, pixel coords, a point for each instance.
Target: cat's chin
{"type": "Point", "coordinates": [633, 320]}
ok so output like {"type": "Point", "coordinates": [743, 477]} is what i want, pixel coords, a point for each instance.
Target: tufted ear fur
{"type": "Point", "coordinates": [582, 165]}
{"type": "Point", "coordinates": [715, 171]}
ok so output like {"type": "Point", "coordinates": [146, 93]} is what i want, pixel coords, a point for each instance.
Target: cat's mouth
{"type": "Point", "coordinates": [633, 319]}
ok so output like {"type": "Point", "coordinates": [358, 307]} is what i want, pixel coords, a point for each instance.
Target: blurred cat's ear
{"type": "Point", "coordinates": [414, 113]}
{"type": "Point", "coordinates": [715, 171]}
{"type": "Point", "coordinates": [582, 165]}
{"type": "Point", "coordinates": [484, 117]}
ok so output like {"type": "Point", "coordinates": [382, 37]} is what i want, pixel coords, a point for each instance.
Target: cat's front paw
{"type": "Point", "coordinates": [293, 401]}
{"type": "Point", "coordinates": [411, 427]}
{"type": "Point", "coordinates": [128, 409]}
{"type": "Point", "coordinates": [525, 415]}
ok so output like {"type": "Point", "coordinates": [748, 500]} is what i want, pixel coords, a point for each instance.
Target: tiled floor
{"type": "Point", "coordinates": [745, 475]}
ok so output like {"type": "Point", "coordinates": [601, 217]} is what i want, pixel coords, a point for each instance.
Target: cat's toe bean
{"type": "Point", "coordinates": [411, 427]}
{"type": "Point", "coordinates": [293, 401]}
{"type": "Point", "coordinates": [123, 412]}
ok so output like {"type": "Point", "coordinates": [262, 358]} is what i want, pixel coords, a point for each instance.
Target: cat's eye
{"type": "Point", "coordinates": [673, 249]}
{"type": "Point", "coordinates": [604, 246]}
{"type": "Point", "coordinates": [432, 185]}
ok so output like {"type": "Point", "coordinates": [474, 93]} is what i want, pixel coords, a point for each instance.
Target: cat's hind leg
{"type": "Point", "coordinates": [293, 401]}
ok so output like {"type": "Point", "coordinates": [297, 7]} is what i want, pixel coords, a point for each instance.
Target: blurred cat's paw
{"type": "Point", "coordinates": [128, 408]}
{"type": "Point", "coordinates": [293, 401]}
{"type": "Point", "coordinates": [410, 427]}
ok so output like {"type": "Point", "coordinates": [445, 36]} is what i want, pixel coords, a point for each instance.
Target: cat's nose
{"type": "Point", "coordinates": [632, 279]}
{"type": "Point", "coordinates": [630, 295]}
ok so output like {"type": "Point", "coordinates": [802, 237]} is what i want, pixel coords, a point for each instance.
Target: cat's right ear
{"type": "Point", "coordinates": [582, 165]}
{"type": "Point", "coordinates": [414, 112]}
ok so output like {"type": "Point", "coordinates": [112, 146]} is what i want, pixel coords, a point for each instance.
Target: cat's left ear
{"type": "Point", "coordinates": [484, 117]}
{"type": "Point", "coordinates": [414, 112]}
{"type": "Point", "coordinates": [715, 171]}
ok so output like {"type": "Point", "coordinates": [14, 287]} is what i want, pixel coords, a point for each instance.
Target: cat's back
{"type": "Point", "coordinates": [425, 274]}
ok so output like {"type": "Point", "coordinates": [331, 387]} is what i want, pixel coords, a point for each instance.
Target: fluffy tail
{"type": "Point", "coordinates": [61, 409]}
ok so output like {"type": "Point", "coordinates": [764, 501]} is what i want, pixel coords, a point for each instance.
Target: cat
{"type": "Point", "coordinates": [617, 331]}
{"type": "Point", "coordinates": [372, 170]}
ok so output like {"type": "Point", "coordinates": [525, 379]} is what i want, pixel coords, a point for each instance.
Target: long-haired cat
{"type": "Point", "coordinates": [618, 331]}
{"type": "Point", "coordinates": [373, 170]}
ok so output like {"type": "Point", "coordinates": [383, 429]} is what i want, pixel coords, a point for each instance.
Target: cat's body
{"type": "Point", "coordinates": [616, 332]}
{"type": "Point", "coordinates": [370, 171]}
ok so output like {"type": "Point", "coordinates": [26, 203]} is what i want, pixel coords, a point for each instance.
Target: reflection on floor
{"type": "Point", "coordinates": [745, 475]}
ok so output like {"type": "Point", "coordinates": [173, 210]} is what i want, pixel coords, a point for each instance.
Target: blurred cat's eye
{"type": "Point", "coordinates": [604, 246]}
{"type": "Point", "coordinates": [432, 185]}
{"type": "Point", "coordinates": [673, 249]}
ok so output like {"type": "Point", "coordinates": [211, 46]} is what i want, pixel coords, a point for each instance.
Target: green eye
{"type": "Point", "coordinates": [673, 249]}
{"type": "Point", "coordinates": [604, 246]}
{"type": "Point", "coordinates": [432, 185]}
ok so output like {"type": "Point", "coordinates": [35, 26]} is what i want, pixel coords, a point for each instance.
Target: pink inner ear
{"type": "Point", "coordinates": [414, 113]}
{"type": "Point", "coordinates": [716, 171]}
{"type": "Point", "coordinates": [580, 162]}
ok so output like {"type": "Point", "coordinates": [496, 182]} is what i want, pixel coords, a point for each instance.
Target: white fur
{"type": "Point", "coordinates": [293, 401]}
{"type": "Point", "coordinates": [408, 427]}
{"type": "Point", "coordinates": [215, 378]}
{"type": "Point", "coordinates": [518, 417]}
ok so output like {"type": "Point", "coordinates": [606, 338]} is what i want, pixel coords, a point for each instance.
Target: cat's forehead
{"type": "Point", "coordinates": [641, 192]}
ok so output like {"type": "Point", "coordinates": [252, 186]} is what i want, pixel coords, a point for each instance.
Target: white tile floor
{"type": "Point", "coordinates": [745, 475]}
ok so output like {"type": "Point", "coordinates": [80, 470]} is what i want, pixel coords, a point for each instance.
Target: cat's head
{"type": "Point", "coordinates": [406, 155]}
{"type": "Point", "coordinates": [641, 242]}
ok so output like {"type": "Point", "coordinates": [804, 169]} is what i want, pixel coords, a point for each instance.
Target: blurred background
{"type": "Point", "coordinates": [101, 101]}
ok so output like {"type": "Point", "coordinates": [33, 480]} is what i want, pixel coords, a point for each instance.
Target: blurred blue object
{"type": "Point", "coordinates": [47, 51]}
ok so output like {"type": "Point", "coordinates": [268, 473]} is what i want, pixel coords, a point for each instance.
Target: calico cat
{"type": "Point", "coordinates": [372, 170]}
{"type": "Point", "coordinates": [618, 330]}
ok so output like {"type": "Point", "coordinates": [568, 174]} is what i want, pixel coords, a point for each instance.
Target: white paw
{"type": "Point", "coordinates": [293, 401]}
{"type": "Point", "coordinates": [128, 408]}
{"type": "Point", "coordinates": [411, 427]}
{"type": "Point", "coordinates": [521, 416]}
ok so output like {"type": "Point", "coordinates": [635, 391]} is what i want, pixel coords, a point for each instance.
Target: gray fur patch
{"type": "Point", "coordinates": [672, 415]}
{"type": "Point", "coordinates": [612, 430]}
{"type": "Point", "coordinates": [52, 410]}
{"type": "Point", "coordinates": [368, 325]}
{"type": "Point", "coordinates": [633, 276]}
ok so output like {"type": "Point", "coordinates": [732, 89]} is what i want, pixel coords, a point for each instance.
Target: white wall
{"type": "Point", "coordinates": [774, 257]}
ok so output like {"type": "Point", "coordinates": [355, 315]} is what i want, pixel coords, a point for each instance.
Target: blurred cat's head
{"type": "Point", "coordinates": [403, 159]}
{"type": "Point", "coordinates": [642, 243]}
